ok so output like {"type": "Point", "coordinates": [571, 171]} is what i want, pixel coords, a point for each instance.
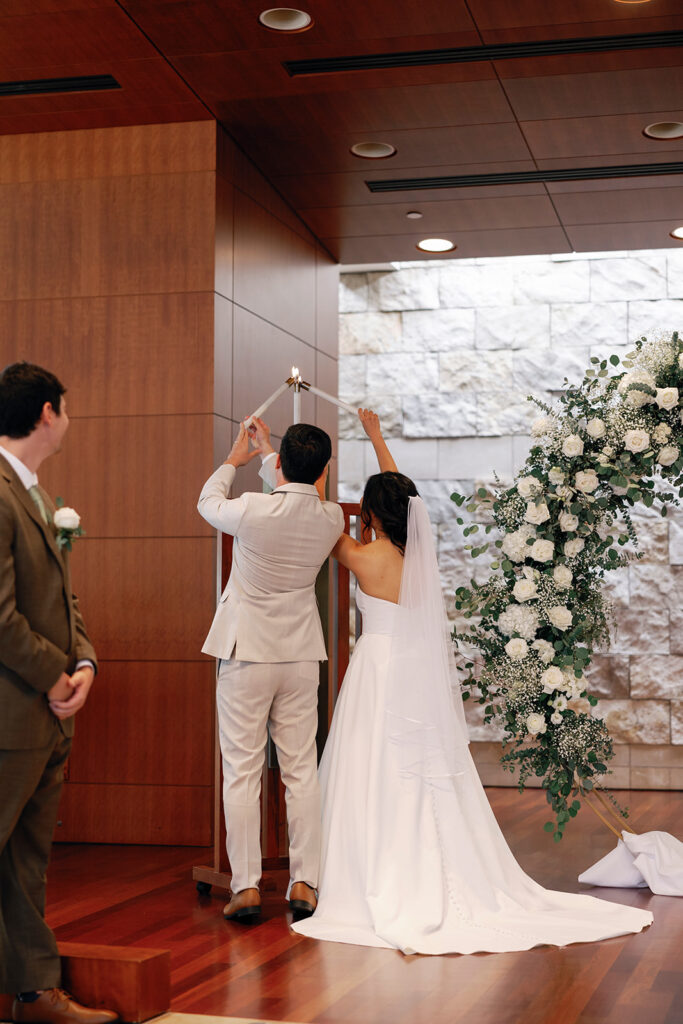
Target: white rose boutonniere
{"type": "Point", "coordinates": [537, 514]}
{"type": "Point", "coordinates": [568, 522]}
{"type": "Point", "coordinates": [67, 525]}
{"type": "Point", "coordinates": [525, 590]}
{"type": "Point", "coordinates": [636, 441]}
{"type": "Point", "coordinates": [586, 481]}
{"type": "Point", "coordinates": [536, 723]}
{"type": "Point", "coordinates": [668, 455]}
{"type": "Point", "coordinates": [667, 398]}
{"type": "Point", "coordinates": [572, 446]}
{"type": "Point", "coordinates": [560, 616]}
{"type": "Point", "coordinates": [596, 427]}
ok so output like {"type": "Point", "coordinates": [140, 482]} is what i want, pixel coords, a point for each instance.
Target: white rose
{"type": "Point", "coordinates": [528, 486]}
{"type": "Point", "coordinates": [573, 547]}
{"type": "Point", "coordinates": [563, 577]}
{"type": "Point", "coordinates": [552, 679]}
{"type": "Point", "coordinates": [560, 703]}
{"type": "Point", "coordinates": [545, 650]}
{"type": "Point", "coordinates": [568, 522]}
{"type": "Point", "coordinates": [556, 476]}
{"type": "Point", "coordinates": [596, 427]}
{"type": "Point", "coordinates": [536, 723]}
{"type": "Point", "coordinates": [667, 398]}
{"type": "Point", "coordinates": [525, 590]}
{"type": "Point", "coordinates": [668, 455]}
{"type": "Point", "coordinates": [556, 718]}
{"type": "Point", "coordinates": [516, 649]}
{"type": "Point", "coordinates": [542, 425]}
{"type": "Point", "coordinates": [66, 519]}
{"type": "Point", "coordinates": [563, 492]}
{"type": "Point", "coordinates": [572, 446]}
{"type": "Point", "coordinates": [636, 441]}
{"type": "Point", "coordinates": [586, 481]}
{"type": "Point", "coordinates": [537, 514]}
{"type": "Point", "coordinates": [560, 616]}
{"type": "Point", "coordinates": [542, 550]}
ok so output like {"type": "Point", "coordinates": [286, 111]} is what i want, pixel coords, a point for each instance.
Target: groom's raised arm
{"type": "Point", "coordinates": [215, 505]}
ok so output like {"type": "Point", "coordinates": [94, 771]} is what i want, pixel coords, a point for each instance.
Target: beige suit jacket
{"type": "Point", "coordinates": [268, 610]}
{"type": "Point", "coordinates": [42, 633]}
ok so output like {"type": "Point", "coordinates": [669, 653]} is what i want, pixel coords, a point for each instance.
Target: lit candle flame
{"type": "Point", "coordinates": [295, 372]}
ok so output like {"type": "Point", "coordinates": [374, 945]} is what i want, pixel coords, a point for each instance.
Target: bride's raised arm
{"type": "Point", "coordinates": [371, 426]}
{"type": "Point", "coordinates": [347, 550]}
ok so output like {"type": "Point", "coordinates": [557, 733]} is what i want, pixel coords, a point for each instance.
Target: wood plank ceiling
{"type": "Point", "coordinates": [180, 60]}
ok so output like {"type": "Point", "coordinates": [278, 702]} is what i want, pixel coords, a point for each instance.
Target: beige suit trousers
{"type": "Point", "coordinates": [252, 697]}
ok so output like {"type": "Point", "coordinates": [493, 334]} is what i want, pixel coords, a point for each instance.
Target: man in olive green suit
{"type": "Point", "coordinates": [47, 666]}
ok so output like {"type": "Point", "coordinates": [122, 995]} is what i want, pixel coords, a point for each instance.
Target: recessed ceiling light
{"type": "Point", "coordinates": [373, 150]}
{"type": "Point", "coordinates": [664, 130]}
{"type": "Point", "coordinates": [436, 245]}
{"type": "Point", "coordinates": [677, 233]}
{"type": "Point", "coordinates": [285, 19]}
{"type": "Point", "coordinates": [413, 215]}
{"type": "Point", "coordinates": [632, 1]}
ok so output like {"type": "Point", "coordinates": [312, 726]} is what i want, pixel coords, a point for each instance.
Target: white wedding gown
{"type": "Point", "coordinates": [417, 865]}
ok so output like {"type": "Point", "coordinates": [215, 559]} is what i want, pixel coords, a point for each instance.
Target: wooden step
{"type": "Point", "coordinates": [134, 982]}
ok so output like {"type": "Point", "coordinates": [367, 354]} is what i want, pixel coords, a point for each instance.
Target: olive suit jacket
{"type": "Point", "coordinates": [42, 633]}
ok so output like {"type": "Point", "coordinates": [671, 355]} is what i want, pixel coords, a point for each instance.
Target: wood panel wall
{"type": "Point", "coordinates": [168, 285]}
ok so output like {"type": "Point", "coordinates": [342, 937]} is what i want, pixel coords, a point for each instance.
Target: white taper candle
{"type": "Point", "coordinates": [268, 402]}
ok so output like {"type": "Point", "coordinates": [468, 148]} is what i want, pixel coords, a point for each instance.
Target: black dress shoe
{"type": "Point", "coordinates": [302, 901]}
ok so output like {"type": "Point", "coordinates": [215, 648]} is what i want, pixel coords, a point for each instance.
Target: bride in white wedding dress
{"type": "Point", "coordinates": [412, 856]}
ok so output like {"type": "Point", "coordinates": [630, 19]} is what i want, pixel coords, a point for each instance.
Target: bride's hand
{"type": "Point", "coordinates": [370, 422]}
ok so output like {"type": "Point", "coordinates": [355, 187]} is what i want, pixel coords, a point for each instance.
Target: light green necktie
{"type": "Point", "coordinates": [40, 504]}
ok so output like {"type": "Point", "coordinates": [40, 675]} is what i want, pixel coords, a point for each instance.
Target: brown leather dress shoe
{"type": "Point", "coordinates": [54, 1006]}
{"type": "Point", "coordinates": [302, 900]}
{"type": "Point", "coordinates": [244, 906]}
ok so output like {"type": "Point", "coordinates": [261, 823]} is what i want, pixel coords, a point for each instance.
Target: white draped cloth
{"type": "Point", "coordinates": [413, 858]}
{"type": "Point", "coordinates": [653, 860]}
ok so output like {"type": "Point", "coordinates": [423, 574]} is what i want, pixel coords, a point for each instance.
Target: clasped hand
{"type": "Point", "coordinates": [69, 693]}
{"type": "Point", "coordinates": [259, 435]}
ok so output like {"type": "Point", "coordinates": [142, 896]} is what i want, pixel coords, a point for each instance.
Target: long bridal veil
{"type": "Point", "coordinates": [425, 719]}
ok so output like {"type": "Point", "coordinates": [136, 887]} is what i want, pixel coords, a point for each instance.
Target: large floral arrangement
{"type": "Point", "coordinates": [612, 442]}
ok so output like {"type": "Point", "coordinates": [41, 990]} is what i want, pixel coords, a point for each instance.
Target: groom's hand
{"type": "Point", "coordinates": [239, 453]}
{"type": "Point", "coordinates": [259, 435]}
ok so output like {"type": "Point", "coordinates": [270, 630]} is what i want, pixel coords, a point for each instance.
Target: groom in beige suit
{"type": "Point", "coordinates": [268, 640]}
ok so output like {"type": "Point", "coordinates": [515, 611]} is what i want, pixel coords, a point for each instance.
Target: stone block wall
{"type": "Point", "coordinates": [447, 353]}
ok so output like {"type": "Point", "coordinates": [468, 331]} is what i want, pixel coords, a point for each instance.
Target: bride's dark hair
{"type": "Point", "coordinates": [386, 496]}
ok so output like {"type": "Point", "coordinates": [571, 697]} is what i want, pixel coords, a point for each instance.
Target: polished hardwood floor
{"type": "Point", "coordinates": [144, 896]}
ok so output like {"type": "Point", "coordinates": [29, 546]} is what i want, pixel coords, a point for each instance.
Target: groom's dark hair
{"type": "Point", "coordinates": [24, 390]}
{"type": "Point", "coordinates": [305, 450]}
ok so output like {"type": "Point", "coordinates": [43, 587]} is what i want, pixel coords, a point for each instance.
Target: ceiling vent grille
{"type": "Point", "coordinates": [86, 83]}
{"type": "Point", "coordinates": [494, 51]}
{"type": "Point", "coordinates": [524, 177]}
